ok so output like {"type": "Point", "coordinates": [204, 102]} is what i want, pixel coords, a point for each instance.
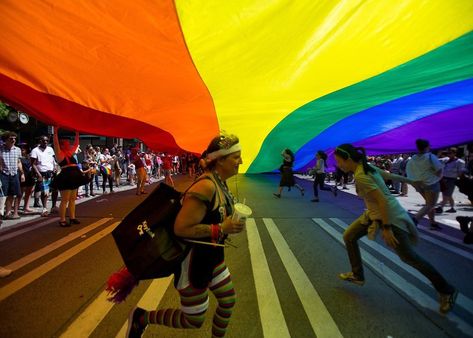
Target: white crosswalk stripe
{"type": "Point", "coordinates": [395, 279]}
{"type": "Point", "coordinates": [319, 317]}
{"type": "Point", "coordinates": [447, 246]}
{"type": "Point", "coordinates": [151, 298]}
{"type": "Point", "coordinates": [90, 318]}
{"type": "Point", "coordinates": [462, 301]}
{"type": "Point", "coordinates": [272, 318]}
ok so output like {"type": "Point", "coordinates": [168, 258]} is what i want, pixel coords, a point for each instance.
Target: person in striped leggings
{"type": "Point", "coordinates": [205, 220]}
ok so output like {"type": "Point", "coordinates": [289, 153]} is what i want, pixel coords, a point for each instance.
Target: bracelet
{"type": "Point", "coordinates": [215, 232]}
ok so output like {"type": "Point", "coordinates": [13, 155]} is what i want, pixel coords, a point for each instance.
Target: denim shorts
{"type": "Point", "coordinates": [432, 188]}
{"type": "Point", "coordinates": [10, 185]}
{"type": "Point", "coordinates": [449, 186]}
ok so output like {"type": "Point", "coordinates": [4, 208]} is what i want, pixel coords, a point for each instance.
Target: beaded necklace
{"type": "Point", "coordinates": [228, 194]}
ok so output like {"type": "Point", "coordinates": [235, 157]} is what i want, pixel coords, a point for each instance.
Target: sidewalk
{"type": "Point", "coordinates": [29, 217]}
{"type": "Point", "coordinates": [414, 201]}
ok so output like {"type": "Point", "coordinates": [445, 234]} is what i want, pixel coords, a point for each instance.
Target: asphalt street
{"type": "Point", "coordinates": [284, 268]}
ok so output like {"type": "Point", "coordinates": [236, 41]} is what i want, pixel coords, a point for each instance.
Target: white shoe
{"type": "Point", "coordinates": [4, 272]}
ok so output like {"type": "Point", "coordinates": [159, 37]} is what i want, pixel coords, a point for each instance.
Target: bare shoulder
{"type": "Point", "coordinates": [204, 187]}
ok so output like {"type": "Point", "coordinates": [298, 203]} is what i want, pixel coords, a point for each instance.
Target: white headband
{"type": "Point", "coordinates": [222, 152]}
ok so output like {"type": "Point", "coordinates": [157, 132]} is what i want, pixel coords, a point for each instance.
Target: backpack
{"type": "Point", "coordinates": [146, 241]}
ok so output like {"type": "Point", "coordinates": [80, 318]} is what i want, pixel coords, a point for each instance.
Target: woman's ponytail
{"type": "Point", "coordinates": [348, 151]}
{"type": "Point", "coordinates": [366, 166]}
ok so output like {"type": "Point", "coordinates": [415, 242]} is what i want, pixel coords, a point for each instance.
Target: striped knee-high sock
{"type": "Point", "coordinates": [225, 294]}
{"type": "Point", "coordinates": [194, 303]}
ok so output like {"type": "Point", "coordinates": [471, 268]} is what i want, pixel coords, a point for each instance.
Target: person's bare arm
{"type": "Point", "coordinates": [75, 146]}
{"type": "Point", "coordinates": [34, 162]}
{"type": "Point", "coordinates": [188, 222]}
{"type": "Point", "coordinates": [56, 146]}
{"type": "Point", "coordinates": [22, 173]}
{"type": "Point", "coordinates": [390, 176]}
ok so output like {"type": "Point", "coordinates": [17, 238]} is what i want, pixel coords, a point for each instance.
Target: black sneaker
{"type": "Point", "coordinates": [464, 220]}
{"type": "Point", "coordinates": [135, 328]}
{"type": "Point", "coordinates": [447, 301]}
{"type": "Point", "coordinates": [451, 210]}
{"type": "Point", "coordinates": [438, 210]}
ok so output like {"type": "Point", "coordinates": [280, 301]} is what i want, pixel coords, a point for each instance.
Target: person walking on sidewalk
{"type": "Point", "coordinates": [105, 160]}
{"type": "Point", "coordinates": [426, 167]}
{"type": "Point", "coordinates": [206, 215]}
{"type": "Point", "coordinates": [11, 174]}
{"type": "Point", "coordinates": [402, 172]}
{"type": "Point", "coordinates": [27, 185]}
{"type": "Point", "coordinates": [90, 163]}
{"type": "Point", "coordinates": [384, 212]}
{"type": "Point", "coordinates": [319, 175]}
{"type": "Point", "coordinates": [167, 169]}
{"type": "Point", "coordinates": [453, 169]}
{"type": "Point", "coordinates": [341, 178]}
{"type": "Point", "coordinates": [44, 165]}
{"type": "Point", "coordinates": [287, 175]}
{"type": "Point", "coordinates": [139, 167]}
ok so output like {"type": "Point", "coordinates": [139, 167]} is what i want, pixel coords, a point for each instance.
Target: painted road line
{"type": "Point", "coordinates": [446, 246]}
{"type": "Point", "coordinates": [319, 317]}
{"type": "Point", "coordinates": [31, 276]}
{"type": "Point", "coordinates": [90, 318]}
{"type": "Point", "coordinates": [272, 317]}
{"type": "Point", "coordinates": [53, 246]}
{"type": "Point", "coordinates": [462, 301]}
{"type": "Point", "coordinates": [151, 299]}
{"type": "Point", "coordinates": [25, 230]}
{"type": "Point", "coordinates": [395, 280]}
{"type": "Point", "coordinates": [93, 315]}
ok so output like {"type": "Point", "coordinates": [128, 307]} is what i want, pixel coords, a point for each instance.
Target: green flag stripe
{"type": "Point", "coordinates": [449, 63]}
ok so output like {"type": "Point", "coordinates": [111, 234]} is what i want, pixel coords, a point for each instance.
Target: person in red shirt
{"type": "Point", "coordinates": [135, 158]}
{"type": "Point", "coordinates": [167, 169]}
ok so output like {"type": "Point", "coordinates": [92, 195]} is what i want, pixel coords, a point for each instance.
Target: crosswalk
{"type": "Point", "coordinates": [319, 317]}
{"type": "Point", "coordinates": [268, 301]}
{"type": "Point", "coordinates": [395, 279]}
{"type": "Point", "coordinates": [273, 319]}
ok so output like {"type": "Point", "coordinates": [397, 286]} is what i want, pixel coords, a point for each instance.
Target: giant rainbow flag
{"type": "Point", "coordinates": [298, 74]}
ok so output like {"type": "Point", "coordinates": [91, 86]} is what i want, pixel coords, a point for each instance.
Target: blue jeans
{"type": "Point", "coordinates": [405, 250]}
{"type": "Point", "coordinates": [319, 181]}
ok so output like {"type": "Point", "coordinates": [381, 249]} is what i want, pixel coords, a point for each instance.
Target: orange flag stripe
{"type": "Point", "coordinates": [126, 68]}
